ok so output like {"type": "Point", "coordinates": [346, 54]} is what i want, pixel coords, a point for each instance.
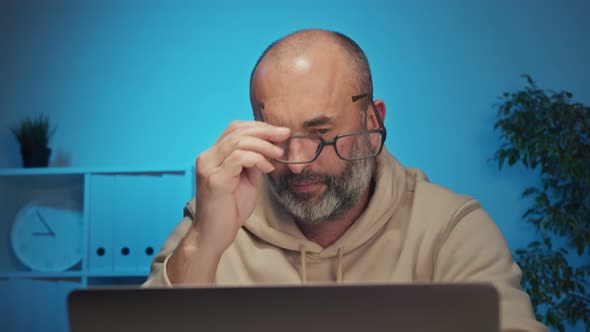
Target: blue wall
{"type": "Point", "coordinates": [146, 83]}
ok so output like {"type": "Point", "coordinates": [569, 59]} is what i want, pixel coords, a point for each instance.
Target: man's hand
{"type": "Point", "coordinates": [227, 174]}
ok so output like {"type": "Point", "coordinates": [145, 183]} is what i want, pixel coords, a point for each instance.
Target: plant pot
{"type": "Point", "coordinates": [35, 156]}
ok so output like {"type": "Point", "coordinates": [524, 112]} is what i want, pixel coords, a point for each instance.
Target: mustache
{"type": "Point", "coordinates": [287, 180]}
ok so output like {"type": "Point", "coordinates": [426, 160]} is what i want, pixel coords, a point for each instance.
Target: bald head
{"type": "Point", "coordinates": [297, 51]}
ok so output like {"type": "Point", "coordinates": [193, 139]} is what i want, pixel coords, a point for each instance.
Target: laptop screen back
{"type": "Point", "coordinates": [370, 308]}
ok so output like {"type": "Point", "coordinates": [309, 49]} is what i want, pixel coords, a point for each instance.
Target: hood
{"type": "Point", "coordinates": [273, 225]}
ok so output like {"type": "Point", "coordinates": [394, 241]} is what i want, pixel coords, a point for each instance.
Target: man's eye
{"type": "Point", "coordinates": [322, 131]}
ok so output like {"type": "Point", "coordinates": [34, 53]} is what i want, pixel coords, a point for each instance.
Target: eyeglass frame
{"type": "Point", "coordinates": [332, 142]}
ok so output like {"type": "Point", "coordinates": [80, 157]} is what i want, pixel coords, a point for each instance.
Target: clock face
{"type": "Point", "coordinates": [48, 236]}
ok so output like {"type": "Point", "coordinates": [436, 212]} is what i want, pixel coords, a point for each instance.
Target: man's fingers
{"type": "Point", "coordinates": [216, 155]}
{"type": "Point", "coordinates": [264, 131]}
{"type": "Point", "coordinates": [246, 143]}
{"type": "Point", "coordinates": [253, 174]}
{"type": "Point", "coordinates": [225, 177]}
{"type": "Point", "coordinates": [254, 128]}
{"type": "Point", "coordinates": [235, 125]}
{"type": "Point", "coordinates": [255, 138]}
{"type": "Point", "coordinates": [234, 164]}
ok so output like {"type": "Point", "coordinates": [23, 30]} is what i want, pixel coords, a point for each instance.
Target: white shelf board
{"type": "Point", "coordinates": [37, 274]}
{"type": "Point", "coordinates": [84, 170]}
{"type": "Point", "coordinates": [73, 274]}
{"type": "Point", "coordinates": [117, 274]}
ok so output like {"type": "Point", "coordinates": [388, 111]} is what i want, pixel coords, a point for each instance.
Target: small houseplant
{"type": "Point", "coordinates": [550, 134]}
{"type": "Point", "coordinates": [33, 135]}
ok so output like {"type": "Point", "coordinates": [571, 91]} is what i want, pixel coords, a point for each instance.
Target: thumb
{"type": "Point", "coordinates": [253, 175]}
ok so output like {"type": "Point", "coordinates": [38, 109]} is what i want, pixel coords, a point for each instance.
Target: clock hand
{"type": "Point", "coordinates": [51, 233]}
{"type": "Point", "coordinates": [43, 234]}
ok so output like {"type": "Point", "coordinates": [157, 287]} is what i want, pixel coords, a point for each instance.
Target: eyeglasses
{"type": "Point", "coordinates": [301, 149]}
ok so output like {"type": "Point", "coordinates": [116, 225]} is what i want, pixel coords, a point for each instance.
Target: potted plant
{"type": "Point", "coordinates": [33, 136]}
{"type": "Point", "coordinates": [550, 134]}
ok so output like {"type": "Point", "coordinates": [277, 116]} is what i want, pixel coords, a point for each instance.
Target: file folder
{"type": "Point", "coordinates": [101, 217]}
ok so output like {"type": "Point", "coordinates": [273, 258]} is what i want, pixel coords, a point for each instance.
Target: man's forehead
{"type": "Point", "coordinates": [320, 84]}
{"type": "Point", "coordinates": [303, 91]}
{"type": "Point", "coordinates": [302, 114]}
{"type": "Point", "coordinates": [305, 116]}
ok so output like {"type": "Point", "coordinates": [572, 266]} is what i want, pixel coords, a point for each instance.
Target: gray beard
{"type": "Point", "coordinates": [343, 192]}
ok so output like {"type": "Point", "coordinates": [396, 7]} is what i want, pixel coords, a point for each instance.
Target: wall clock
{"type": "Point", "coordinates": [46, 234]}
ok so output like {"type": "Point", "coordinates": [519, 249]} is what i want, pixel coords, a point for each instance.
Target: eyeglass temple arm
{"type": "Point", "coordinates": [258, 113]}
{"type": "Point", "coordinates": [364, 95]}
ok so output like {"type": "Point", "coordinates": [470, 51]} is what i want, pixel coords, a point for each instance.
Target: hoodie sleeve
{"type": "Point", "coordinates": [158, 276]}
{"type": "Point", "coordinates": [474, 250]}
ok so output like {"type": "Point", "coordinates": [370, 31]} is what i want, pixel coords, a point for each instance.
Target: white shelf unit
{"type": "Point", "coordinates": [127, 215]}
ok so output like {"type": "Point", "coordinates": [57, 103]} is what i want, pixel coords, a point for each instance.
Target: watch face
{"type": "Point", "coordinates": [47, 235]}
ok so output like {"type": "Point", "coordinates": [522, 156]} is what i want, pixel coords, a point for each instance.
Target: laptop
{"type": "Point", "coordinates": [321, 308]}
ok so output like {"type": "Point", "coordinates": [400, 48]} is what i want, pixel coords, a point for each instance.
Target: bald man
{"type": "Point", "coordinates": [308, 193]}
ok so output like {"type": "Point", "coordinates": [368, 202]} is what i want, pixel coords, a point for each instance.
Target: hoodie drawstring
{"type": "Point", "coordinates": [339, 276]}
{"type": "Point", "coordinates": [303, 253]}
{"type": "Point", "coordinates": [339, 273]}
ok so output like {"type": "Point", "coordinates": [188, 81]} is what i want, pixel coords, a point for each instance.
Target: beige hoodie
{"type": "Point", "coordinates": [411, 231]}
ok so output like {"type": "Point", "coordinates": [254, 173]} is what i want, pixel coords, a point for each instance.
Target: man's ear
{"type": "Point", "coordinates": [373, 123]}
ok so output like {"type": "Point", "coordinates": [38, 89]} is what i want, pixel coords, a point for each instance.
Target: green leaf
{"type": "Point", "coordinates": [534, 244]}
{"type": "Point", "coordinates": [529, 191]}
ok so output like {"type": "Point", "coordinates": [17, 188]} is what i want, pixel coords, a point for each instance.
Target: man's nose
{"type": "Point", "coordinates": [298, 151]}
{"type": "Point", "coordinates": [297, 168]}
